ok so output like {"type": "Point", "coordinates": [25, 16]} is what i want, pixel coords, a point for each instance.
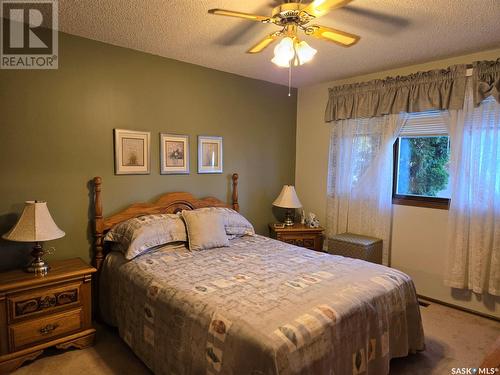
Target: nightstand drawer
{"type": "Point", "coordinates": [299, 235]}
{"type": "Point", "coordinates": [307, 240]}
{"type": "Point", "coordinates": [44, 329]}
{"type": "Point", "coordinates": [43, 301]}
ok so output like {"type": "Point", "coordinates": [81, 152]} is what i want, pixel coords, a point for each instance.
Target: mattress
{"type": "Point", "coordinates": [260, 307]}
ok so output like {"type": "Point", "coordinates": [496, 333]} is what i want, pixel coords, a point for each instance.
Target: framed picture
{"type": "Point", "coordinates": [132, 152]}
{"type": "Point", "coordinates": [209, 154]}
{"type": "Point", "coordinates": [174, 154]}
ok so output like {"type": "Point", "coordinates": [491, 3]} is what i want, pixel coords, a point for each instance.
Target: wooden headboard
{"type": "Point", "coordinates": [167, 203]}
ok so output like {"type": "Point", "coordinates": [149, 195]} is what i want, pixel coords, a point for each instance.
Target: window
{"type": "Point", "coordinates": [421, 161]}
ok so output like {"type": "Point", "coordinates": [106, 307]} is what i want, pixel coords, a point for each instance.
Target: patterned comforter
{"type": "Point", "coordinates": [260, 307]}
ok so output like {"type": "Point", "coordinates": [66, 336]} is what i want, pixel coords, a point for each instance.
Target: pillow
{"type": "Point", "coordinates": [235, 224]}
{"type": "Point", "coordinates": [140, 234]}
{"type": "Point", "coordinates": [205, 229]}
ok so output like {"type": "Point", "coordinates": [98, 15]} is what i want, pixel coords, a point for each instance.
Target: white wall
{"type": "Point", "coordinates": [419, 249]}
{"type": "Point", "coordinates": [419, 234]}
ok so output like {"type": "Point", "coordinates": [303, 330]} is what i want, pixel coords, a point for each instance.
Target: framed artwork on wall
{"type": "Point", "coordinates": [132, 152]}
{"type": "Point", "coordinates": [209, 154]}
{"type": "Point", "coordinates": [174, 154]}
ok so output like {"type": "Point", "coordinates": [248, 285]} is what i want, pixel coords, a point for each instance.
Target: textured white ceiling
{"type": "Point", "coordinates": [393, 33]}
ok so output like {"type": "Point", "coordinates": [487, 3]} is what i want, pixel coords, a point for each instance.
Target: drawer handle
{"type": "Point", "coordinates": [47, 301]}
{"type": "Point", "coordinates": [48, 328]}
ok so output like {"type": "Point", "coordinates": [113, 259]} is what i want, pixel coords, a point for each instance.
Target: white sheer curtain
{"type": "Point", "coordinates": [360, 177]}
{"type": "Point", "coordinates": [474, 216]}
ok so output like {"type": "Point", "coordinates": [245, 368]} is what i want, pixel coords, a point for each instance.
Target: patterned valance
{"type": "Point", "coordinates": [422, 91]}
{"type": "Point", "coordinates": [486, 80]}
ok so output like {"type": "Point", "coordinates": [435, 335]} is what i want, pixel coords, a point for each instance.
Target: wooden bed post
{"type": "Point", "coordinates": [235, 204]}
{"type": "Point", "coordinates": [98, 225]}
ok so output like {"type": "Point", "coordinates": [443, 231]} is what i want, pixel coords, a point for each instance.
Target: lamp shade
{"type": "Point", "coordinates": [305, 52]}
{"type": "Point", "coordinates": [284, 52]}
{"type": "Point", "coordinates": [291, 51]}
{"type": "Point", "coordinates": [34, 225]}
{"type": "Point", "coordinates": [287, 198]}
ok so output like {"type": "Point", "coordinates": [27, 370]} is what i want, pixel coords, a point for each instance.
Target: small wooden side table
{"type": "Point", "coordinates": [37, 312]}
{"type": "Point", "coordinates": [299, 235]}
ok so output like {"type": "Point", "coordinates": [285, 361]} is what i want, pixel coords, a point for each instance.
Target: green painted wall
{"type": "Point", "coordinates": [56, 133]}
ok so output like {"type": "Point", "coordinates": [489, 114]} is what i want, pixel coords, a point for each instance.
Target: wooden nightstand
{"type": "Point", "coordinates": [299, 235]}
{"type": "Point", "coordinates": [38, 312]}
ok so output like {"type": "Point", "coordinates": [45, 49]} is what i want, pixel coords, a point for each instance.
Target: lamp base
{"type": "Point", "coordinates": [289, 218]}
{"type": "Point", "coordinates": [37, 266]}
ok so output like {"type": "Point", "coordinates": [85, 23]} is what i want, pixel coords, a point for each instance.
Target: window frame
{"type": "Point", "coordinates": [412, 200]}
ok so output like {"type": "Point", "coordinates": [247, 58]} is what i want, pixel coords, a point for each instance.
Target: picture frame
{"type": "Point", "coordinates": [174, 153]}
{"type": "Point", "coordinates": [132, 152]}
{"type": "Point", "coordinates": [210, 155]}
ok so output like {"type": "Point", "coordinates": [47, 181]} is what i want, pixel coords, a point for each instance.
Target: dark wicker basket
{"type": "Point", "coordinates": [356, 246]}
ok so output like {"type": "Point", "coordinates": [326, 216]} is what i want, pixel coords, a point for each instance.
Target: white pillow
{"type": "Point", "coordinates": [142, 233]}
{"type": "Point", "coordinates": [205, 229]}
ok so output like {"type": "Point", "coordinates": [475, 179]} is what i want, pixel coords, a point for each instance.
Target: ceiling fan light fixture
{"type": "Point", "coordinates": [282, 63]}
{"type": "Point", "coordinates": [305, 52]}
{"type": "Point", "coordinates": [284, 52]}
{"type": "Point", "coordinates": [291, 51]}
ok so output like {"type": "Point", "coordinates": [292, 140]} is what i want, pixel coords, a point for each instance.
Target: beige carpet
{"type": "Point", "coordinates": [453, 338]}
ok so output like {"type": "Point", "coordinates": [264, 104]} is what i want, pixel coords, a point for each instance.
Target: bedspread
{"type": "Point", "coordinates": [260, 307]}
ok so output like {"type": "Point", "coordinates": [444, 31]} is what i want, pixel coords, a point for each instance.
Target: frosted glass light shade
{"type": "Point", "coordinates": [284, 52]}
{"type": "Point", "coordinates": [287, 198]}
{"type": "Point", "coordinates": [305, 52]}
{"type": "Point", "coordinates": [34, 225]}
{"type": "Point", "coordinates": [291, 51]}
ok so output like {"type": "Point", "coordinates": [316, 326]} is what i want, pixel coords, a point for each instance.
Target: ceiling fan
{"type": "Point", "coordinates": [293, 17]}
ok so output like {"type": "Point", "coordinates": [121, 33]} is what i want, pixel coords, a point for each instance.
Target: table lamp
{"type": "Point", "coordinates": [288, 199]}
{"type": "Point", "coordinates": [35, 225]}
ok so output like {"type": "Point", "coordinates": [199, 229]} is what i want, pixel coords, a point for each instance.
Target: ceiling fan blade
{"type": "Point", "coordinates": [319, 8]}
{"type": "Point", "coordinates": [247, 16]}
{"type": "Point", "coordinates": [332, 35]}
{"type": "Point", "coordinates": [243, 33]}
{"type": "Point", "coordinates": [264, 43]}
{"type": "Point", "coordinates": [376, 18]}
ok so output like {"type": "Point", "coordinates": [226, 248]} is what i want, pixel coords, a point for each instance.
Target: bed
{"type": "Point", "coordinates": [256, 307]}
